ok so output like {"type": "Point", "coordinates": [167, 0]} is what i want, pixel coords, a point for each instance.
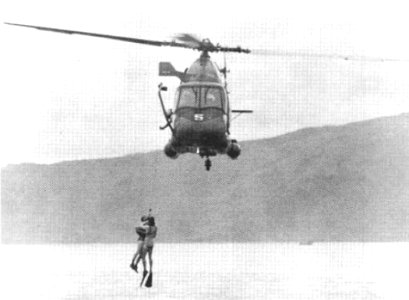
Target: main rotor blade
{"type": "Point", "coordinates": [267, 52]}
{"type": "Point", "coordinates": [188, 41]}
{"type": "Point", "coordinates": [113, 37]}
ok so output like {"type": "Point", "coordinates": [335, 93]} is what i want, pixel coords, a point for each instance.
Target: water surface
{"type": "Point", "coordinates": [208, 271]}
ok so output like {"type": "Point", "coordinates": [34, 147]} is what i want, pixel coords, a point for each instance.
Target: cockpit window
{"type": "Point", "coordinates": [200, 97]}
{"type": "Point", "coordinates": [189, 97]}
{"type": "Point", "coordinates": [211, 98]}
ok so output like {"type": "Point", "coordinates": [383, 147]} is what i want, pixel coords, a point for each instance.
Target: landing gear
{"type": "Point", "coordinates": [208, 164]}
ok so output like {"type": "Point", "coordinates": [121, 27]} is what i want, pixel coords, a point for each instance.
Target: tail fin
{"type": "Point", "coordinates": [166, 69]}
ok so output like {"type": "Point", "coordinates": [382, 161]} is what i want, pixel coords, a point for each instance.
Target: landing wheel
{"type": "Point", "coordinates": [208, 164]}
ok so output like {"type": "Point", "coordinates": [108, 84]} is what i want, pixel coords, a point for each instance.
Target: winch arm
{"type": "Point", "coordinates": [166, 114]}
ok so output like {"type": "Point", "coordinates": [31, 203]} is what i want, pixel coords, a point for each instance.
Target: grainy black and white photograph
{"type": "Point", "coordinates": [204, 149]}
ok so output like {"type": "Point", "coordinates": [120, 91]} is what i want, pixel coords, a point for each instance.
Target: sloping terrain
{"type": "Point", "coordinates": [344, 183]}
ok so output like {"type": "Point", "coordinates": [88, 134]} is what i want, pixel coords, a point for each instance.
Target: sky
{"type": "Point", "coordinates": [68, 97]}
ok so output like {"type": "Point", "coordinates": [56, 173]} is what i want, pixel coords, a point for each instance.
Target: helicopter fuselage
{"type": "Point", "coordinates": [201, 114]}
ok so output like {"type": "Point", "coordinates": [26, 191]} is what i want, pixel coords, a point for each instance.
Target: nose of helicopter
{"type": "Point", "coordinates": [210, 133]}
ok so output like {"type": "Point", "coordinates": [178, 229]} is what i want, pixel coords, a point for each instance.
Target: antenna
{"type": "Point", "coordinates": [224, 70]}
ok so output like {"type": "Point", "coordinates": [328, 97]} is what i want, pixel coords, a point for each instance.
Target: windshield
{"type": "Point", "coordinates": [200, 97]}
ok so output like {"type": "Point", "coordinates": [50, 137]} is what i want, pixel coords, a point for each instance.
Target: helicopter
{"type": "Point", "coordinates": [201, 117]}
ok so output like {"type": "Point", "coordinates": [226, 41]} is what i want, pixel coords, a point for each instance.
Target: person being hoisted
{"type": "Point", "coordinates": [150, 234]}
{"type": "Point", "coordinates": [140, 231]}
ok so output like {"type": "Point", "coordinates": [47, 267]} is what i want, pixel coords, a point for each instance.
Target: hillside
{"type": "Point", "coordinates": [344, 183]}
